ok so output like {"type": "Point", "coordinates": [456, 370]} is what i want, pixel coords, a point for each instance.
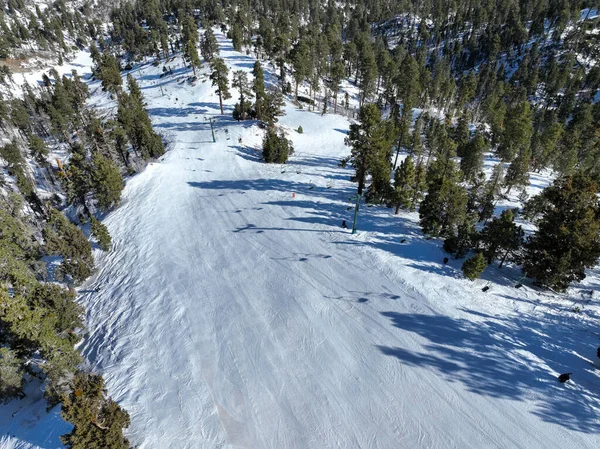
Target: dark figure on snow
{"type": "Point", "coordinates": [598, 352]}
{"type": "Point", "coordinates": [446, 260]}
{"type": "Point", "coordinates": [564, 377]}
{"type": "Point", "coordinates": [345, 226]}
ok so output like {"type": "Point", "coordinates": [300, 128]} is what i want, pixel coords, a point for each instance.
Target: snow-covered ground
{"type": "Point", "coordinates": [235, 312]}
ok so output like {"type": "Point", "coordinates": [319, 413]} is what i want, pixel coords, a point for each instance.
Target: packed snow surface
{"type": "Point", "coordinates": [234, 311]}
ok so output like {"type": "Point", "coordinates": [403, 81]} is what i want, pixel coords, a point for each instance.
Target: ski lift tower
{"type": "Point", "coordinates": [212, 128]}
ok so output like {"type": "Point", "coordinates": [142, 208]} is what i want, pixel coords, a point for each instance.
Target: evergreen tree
{"type": "Point", "coordinates": [471, 162]}
{"type": "Point", "coordinates": [276, 147]}
{"type": "Point", "coordinates": [191, 54]}
{"type": "Point", "coordinates": [101, 234]}
{"type": "Point", "coordinates": [518, 171]}
{"type": "Point", "coordinates": [240, 82]}
{"type": "Point", "coordinates": [109, 73]}
{"type": "Point", "coordinates": [465, 238]}
{"type": "Point", "coordinates": [474, 266]}
{"type": "Point", "coordinates": [98, 421]}
{"type": "Point", "coordinates": [237, 37]}
{"type": "Point", "coordinates": [444, 207]}
{"type": "Point", "coordinates": [66, 240]}
{"type": "Point", "coordinates": [220, 79]}
{"type": "Point", "coordinates": [272, 106]}
{"type": "Point", "coordinates": [301, 64]}
{"type": "Point", "coordinates": [517, 131]}
{"type": "Point", "coordinates": [132, 116]}
{"type": "Point", "coordinates": [106, 182]}
{"type": "Point", "coordinates": [567, 240]}
{"type": "Point", "coordinates": [367, 70]}
{"type": "Point", "coordinates": [370, 145]}
{"type": "Point", "coordinates": [258, 86]}
{"type": "Point", "coordinates": [404, 185]}
{"type": "Point", "coordinates": [501, 237]}
{"type": "Point", "coordinates": [209, 47]}
{"type": "Point", "coordinates": [11, 375]}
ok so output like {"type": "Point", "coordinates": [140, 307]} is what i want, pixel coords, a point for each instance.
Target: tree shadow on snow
{"type": "Point", "coordinates": [498, 357]}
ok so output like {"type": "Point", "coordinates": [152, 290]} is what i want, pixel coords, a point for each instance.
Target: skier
{"type": "Point", "coordinates": [345, 226]}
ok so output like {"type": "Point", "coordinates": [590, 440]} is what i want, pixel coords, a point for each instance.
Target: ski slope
{"type": "Point", "coordinates": [235, 312]}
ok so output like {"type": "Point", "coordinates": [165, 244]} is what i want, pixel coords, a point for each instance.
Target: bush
{"type": "Point", "coordinates": [300, 130]}
{"type": "Point", "coordinates": [474, 266]}
{"type": "Point", "coordinates": [276, 148]}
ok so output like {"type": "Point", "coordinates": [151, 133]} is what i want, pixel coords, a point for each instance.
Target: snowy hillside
{"type": "Point", "coordinates": [234, 311]}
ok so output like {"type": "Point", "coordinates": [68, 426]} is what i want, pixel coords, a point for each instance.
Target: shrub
{"type": "Point", "coordinates": [300, 130]}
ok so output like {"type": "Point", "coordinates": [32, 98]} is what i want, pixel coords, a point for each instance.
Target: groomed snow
{"type": "Point", "coordinates": [234, 312]}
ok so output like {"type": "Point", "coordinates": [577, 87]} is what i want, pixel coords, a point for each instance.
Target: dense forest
{"type": "Point", "coordinates": [442, 82]}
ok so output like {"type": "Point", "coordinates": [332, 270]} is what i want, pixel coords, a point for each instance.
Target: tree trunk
{"type": "Point", "coordinates": [296, 91]}
{"type": "Point", "coordinates": [335, 102]}
{"type": "Point", "coordinates": [221, 101]}
{"type": "Point", "coordinates": [504, 258]}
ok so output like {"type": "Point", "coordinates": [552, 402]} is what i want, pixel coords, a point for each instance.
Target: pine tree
{"type": "Point", "coordinates": [109, 73]}
{"type": "Point", "coordinates": [106, 182]}
{"type": "Point", "coordinates": [444, 207]}
{"type": "Point", "coordinates": [209, 47]}
{"type": "Point", "coordinates": [258, 86]}
{"type": "Point", "coordinates": [474, 266]}
{"type": "Point", "coordinates": [12, 373]}
{"type": "Point", "coordinates": [407, 81]}
{"type": "Point", "coordinates": [420, 185]}
{"type": "Point", "coordinates": [220, 80]}
{"type": "Point", "coordinates": [404, 185]}
{"type": "Point", "coordinates": [301, 64]}
{"type": "Point", "coordinates": [367, 69]}
{"type": "Point", "coordinates": [465, 238]}
{"type": "Point", "coordinates": [237, 37]}
{"type": "Point", "coordinates": [370, 145]}
{"type": "Point", "coordinates": [276, 147]}
{"type": "Point", "coordinates": [191, 55]}
{"type": "Point", "coordinates": [272, 106]}
{"type": "Point", "coordinates": [501, 237]}
{"type": "Point", "coordinates": [518, 171]}
{"type": "Point", "coordinates": [64, 239]}
{"type": "Point", "coordinates": [101, 234]}
{"type": "Point", "coordinates": [133, 117]}
{"type": "Point", "coordinates": [98, 421]}
{"type": "Point", "coordinates": [240, 82]}
{"type": "Point", "coordinates": [517, 131]}
{"type": "Point", "coordinates": [471, 162]}
{"type": "Point", "coordinates": [566, 242]}
{"type": "Point", "coordinates": [545, 146]}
